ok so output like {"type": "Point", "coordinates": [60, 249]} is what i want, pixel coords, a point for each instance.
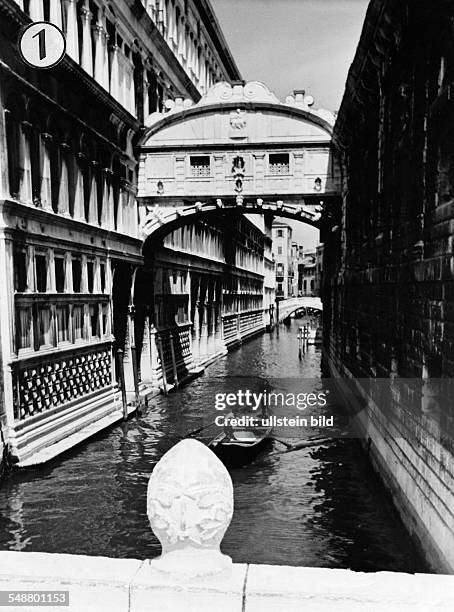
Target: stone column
{"type": "Point", "coordinates": [204, 331]}
{"type": "Point", "coordinates": [63, 191]}
{"type": "Point", "coordinates": [219, 173]}
{"type": "Point", "coordinates": [181, 36]}
{"type": "Point", "coordinates": [99, 52]}
{"type": "Point", "coordinates": [127, 360]}
{"type": "Point", "coordinates": [214, 348]}
{"type": "Point", "coordinates": [120, 212]}
{"type": "Point", "coordinates": [107, 214]}
{"type": "Point", "coordinates": [56, 13]}
{"type": "Point", "coordinates": [68, 273]}
{"type": "Point", "coordinates": [180, 173]}
{"type": "Point", "coordinates": [196, 326]}
{"type": "Point", "coordinates": [87, 48]}
{"type": "Point", "coordinates": [203, 76]}
{"type": "Point", "coordinates": [36, 10]}
{"type": "Point", "coordinates": [133, 221]}
{"type": "Point", "coordinates": [130, 90]}
{"type": "Point", "coordinates": [114, 71]}
{"type": "Point", "coordinates": [145, 356]}
{"type": "Point", "coordinates": [259, 171]}
{"type": "Point", "coordinates": [146, 85]}
{"type": "Point", "coordinates": [154, 355]}
{"type": "Point", "coordinates": [93, 202]}
{"type": "Point", "coordinates": [218, 320]}
{"type": "Point", "coordinates": [46, 190]}
{"type": "Point", "coordinates": [170, 23]}
{"type": "Point", "coordinates": [25, 187]}
{"type": "Point", "coordinates": [79, 196]}
{"type": "Point", "coordinates": [72, 33]}
{"type": "Point", "coordinates": [106, 77]}
{"type": "Point", "coordinates": [298, 170]}
{"type": "Point", "coordinates": [31, 285]}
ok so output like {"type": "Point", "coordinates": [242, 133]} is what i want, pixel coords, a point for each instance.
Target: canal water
{"type": "Point", "coordinates": [321, 506]}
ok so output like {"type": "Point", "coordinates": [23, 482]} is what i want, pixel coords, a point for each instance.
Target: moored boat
{"type": "Point", "coordinates": [241, 446]}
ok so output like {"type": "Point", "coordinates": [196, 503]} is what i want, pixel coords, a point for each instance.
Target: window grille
{"type": "Point", "coordinates": [200, 166]}
{"type": "Point", "coordinates": [279, 163]}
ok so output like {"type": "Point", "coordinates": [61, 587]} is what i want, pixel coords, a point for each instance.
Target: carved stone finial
{"type": "Point", "coordinates": [190, 506]}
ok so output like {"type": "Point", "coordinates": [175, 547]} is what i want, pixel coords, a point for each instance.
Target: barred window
{"type": "Point", "coordinates": [77, 275]}
{"type": "Point", "coordinates": [24, 324]}
{"type": "Point", "coordinates": [78, 322]}
{"type": "Point", "coordinates": [279, 163]}
{"type": "Point", "coordinates": [59, 274]}
{"type": "Point", "coordinates": [41, 273]}
{"type": "Point", "coordinates": [90, 276]}
{"type": "Point", "coordinates": [62, 323]}
{"type": "Point", "coordinates": [45, 326]}
{"type": "Point", "coordinates": [20, 271]}
{"type": "Point", "coordinates": [102, 273]}
{"type": "Point", "coordinates": [200, 165]}
{"type": "Point", "coordinates": [94, 320]}
{"type": "Point", "coordinates": [105, 320]}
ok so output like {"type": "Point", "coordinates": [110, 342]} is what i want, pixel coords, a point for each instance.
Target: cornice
{"type": "Point", "coordinates": [375, 44]}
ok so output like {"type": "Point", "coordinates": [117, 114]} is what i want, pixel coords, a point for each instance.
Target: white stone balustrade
{"type": "Point", "coordinates": [190, 505]}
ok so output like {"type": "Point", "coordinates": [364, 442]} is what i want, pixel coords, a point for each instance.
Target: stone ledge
{"type": "Point", "coordinates": [131, 585]}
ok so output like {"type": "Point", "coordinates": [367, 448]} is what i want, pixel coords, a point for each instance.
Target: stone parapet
{"type": "Point", "coordinates": [131, 585]}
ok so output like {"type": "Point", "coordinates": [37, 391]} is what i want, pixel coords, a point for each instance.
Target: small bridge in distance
{"type": "Point", "coordinates": [285, 308]}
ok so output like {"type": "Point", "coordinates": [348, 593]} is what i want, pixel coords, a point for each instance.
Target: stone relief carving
{"type": "Point", "coordinates": [238, 119]}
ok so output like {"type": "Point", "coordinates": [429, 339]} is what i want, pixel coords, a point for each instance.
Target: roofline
{"type": "Point", "coordinates": [215, 31]}
{"type": "Point", "coordinates": [366, 58]}
{"type": "Point", "coordinates": [205, 109]}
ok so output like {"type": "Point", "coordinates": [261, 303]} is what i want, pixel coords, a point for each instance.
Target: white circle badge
{"type": "Point", "coordinates": [42, 45]}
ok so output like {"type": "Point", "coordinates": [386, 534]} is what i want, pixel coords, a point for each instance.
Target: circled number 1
{"type": "Point", "coordinates": [42, 43]}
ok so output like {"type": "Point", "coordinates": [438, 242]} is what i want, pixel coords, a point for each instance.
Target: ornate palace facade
{"type": "Point", "coordinates": [69, 222]}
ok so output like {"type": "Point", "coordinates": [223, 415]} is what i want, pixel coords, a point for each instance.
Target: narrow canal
{"type": "Point", "coordinates": [321, 506]}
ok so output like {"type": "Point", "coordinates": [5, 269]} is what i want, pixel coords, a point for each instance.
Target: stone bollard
{"type": "Point", "coordinates": [190, 506]}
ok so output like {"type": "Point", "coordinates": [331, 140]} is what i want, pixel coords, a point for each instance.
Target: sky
{"type": "Point", "coordinates": [294, 44]}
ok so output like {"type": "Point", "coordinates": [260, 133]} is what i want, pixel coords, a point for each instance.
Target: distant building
{"type": "Point", "coordinates": [306, 274]}
{"type": "Point", "coordinates": [297, 254]}
{"type": "Point", "coordinates": [318, 268]}
{"type": "Point", "coordinates": [282, 250]}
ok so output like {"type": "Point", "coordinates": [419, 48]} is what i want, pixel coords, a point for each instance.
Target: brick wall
{"type": "Point", "coordinates": [389, 262]}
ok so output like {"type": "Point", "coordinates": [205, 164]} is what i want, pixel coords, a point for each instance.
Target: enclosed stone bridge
{"type": "Point", "coordinates": [238, 151]}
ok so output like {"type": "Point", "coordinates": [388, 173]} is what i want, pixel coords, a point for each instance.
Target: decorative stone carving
{"type": "Point", "coordinates": [190, 506]}
{"type": "Point", "coordinates": [250, 92]}
{"type": "Point", "coordinates": [238, 119]}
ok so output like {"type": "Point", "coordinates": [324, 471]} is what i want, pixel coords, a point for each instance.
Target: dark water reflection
{"type": "Point", "coordinates": [317, 507]}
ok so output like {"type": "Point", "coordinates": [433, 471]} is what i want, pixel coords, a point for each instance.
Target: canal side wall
{"type": "Point", "coordinates": [130, 585]}
{"type": "Point", "coordinates": [388, 260]}
{"type": "Point", "coordinates": [416, 469]}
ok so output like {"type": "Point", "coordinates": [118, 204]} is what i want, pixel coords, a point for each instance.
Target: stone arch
{"type": "Point", "coordinates": [160, 222]}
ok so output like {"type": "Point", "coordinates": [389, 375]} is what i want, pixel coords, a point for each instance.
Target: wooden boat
{"type": "Point", "coordinates": [241, 447]}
